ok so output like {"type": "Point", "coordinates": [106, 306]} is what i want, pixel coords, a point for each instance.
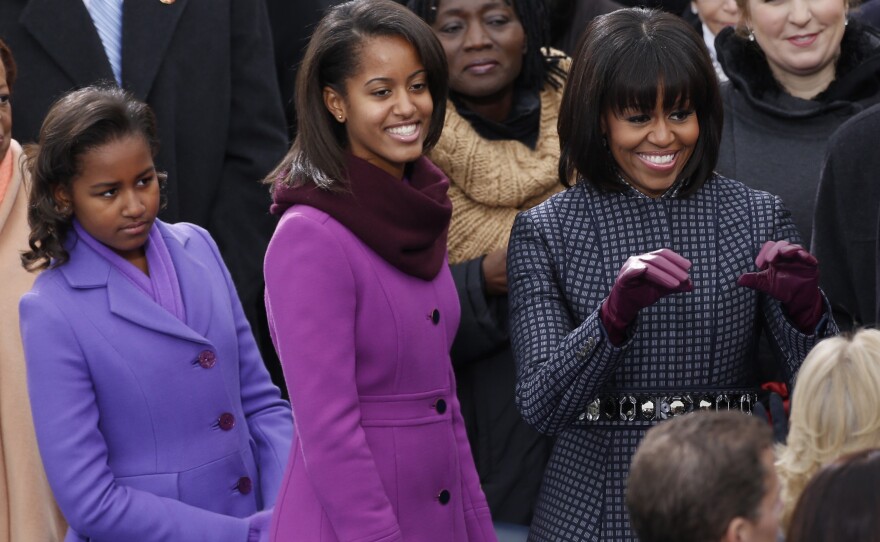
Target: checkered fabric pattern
{"type": "Point", "coordinates": [564, 256]}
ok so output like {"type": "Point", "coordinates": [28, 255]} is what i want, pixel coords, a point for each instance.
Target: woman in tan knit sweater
{"type": "Point", "coordinates": [500, 150]}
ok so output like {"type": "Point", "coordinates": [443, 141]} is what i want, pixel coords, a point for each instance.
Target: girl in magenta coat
{"type": "Point", "coordinates": [361, 304]}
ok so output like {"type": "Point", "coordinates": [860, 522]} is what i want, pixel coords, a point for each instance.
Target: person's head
{"type": "Point", "coordinates": [641, 102]}
{"type": "Point", "coordinates": [490, 45]}
{"type": "Point", "coordinates": [835, 409]}
{"type": "Point", "coordinates": [799, 38]}
{"type": "Point", "coordinates": [93, 162]}
{"type": "Point", "coordinates": [372, 83]}
{"type": "Point", "coordinates": [705, 477]}
{"type": "Point", "coordinates": [7, 80]}
{"type": "Point", "coordinates": [841, 503]}
{"type": "Point", "coordinates": [716, 14]}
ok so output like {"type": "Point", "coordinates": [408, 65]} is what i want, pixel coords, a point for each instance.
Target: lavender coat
{"type": "Point", "coordinates": [129, 421]}
{"type": "Point", "coordinates": [380, 451]}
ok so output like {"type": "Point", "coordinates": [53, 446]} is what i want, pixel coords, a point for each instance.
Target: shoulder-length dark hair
{"type": "Point", "coordinates": [540, 67]}
{"type": "Point", "coordinates": [841, 502]}
{"type": "Point", "coordinates": [623, 60]}
{"type": "Point", "coordinates": [8, 64]}
{"type": "Point", "coordinates": [332, 56]}
{"type": "Point", "coordinates": [77, 123]}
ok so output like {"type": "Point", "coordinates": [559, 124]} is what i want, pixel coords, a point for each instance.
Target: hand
{"type": "Point", "coordinates": [259, 524]}
{"type": "Point", "coordinates": [641, 282]}
{"type": "Point", "coordinates": [790, 274]}
{"type": "Point", "coordinates": [495, 271]}
{"type": "Point", "coordinates": [777, 417]}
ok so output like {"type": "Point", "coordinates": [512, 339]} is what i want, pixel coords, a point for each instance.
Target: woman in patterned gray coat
{"type": "Point", "coordinates": [638, 293]}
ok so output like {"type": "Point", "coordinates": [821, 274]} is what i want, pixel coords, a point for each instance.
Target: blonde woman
{"type": "Point", "coordinates": [835, 410]}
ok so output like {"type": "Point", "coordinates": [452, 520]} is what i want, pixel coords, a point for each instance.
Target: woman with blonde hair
{"type": "Point", "coordinates": [835, 410]}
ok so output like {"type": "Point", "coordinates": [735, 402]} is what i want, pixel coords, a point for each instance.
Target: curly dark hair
{"type": "Point", "coordinates": [8, 64]}
{"type": "Point", "coordinates": [77, 123]}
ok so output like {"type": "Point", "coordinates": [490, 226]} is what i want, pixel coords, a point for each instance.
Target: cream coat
{"type": "Point", "coordinates": [27, 509]}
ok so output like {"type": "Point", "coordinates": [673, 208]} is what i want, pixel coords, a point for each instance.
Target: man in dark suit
{"type": "Point", "coordinates": [206, 68]}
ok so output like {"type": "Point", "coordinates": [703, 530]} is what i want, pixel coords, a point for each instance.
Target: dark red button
{"type": "Point", "coordinates": [245, 485]}
{"type": "Point", "coordinates": [440, 405]}
{"type": "Point", "coordinates": [207, 359]}
{"type": "Point", "coordinates": [227, 421]}
{"type": "Point", "coordinates": [444, 497]}
{"type": "Point", "coordinates": [435, 316]}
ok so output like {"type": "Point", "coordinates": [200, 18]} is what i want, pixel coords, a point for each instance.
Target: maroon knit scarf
{"type": "Point", "coordinates": [404, 222]}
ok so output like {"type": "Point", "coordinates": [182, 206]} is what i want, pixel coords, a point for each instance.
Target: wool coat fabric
{"type": "Point", "coordinates": [205, 68]}
{"type": "Point", "coordinates": [27, 508]}
{"type": "Point", "coordinates": [380, 451]}
{"type": "Point", "coordinates": [775, 142]}
{"type": "Point", "coordinates": [564, 256]}
{"type": "Point", "coordinates": [151, 428]}
{"type": "Point", "coordinates": [846, 220]}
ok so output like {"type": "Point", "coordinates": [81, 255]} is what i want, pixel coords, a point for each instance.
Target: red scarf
{"type": "Point", "coordinates": [404, 222]}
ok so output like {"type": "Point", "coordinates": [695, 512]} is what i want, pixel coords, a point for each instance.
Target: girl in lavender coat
{"type": "Point", "coordinates": [155, 417]}
{"type": "Point", "coordinates": [361, 303]}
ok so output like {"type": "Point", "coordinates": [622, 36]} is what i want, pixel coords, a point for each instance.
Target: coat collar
{"type": "Point", "coordinates": [86, 269]}
{"type": "Point", "coordinates": [65, 29]}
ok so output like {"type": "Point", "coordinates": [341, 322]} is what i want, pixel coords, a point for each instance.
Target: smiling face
{"type": "Point", "coordinates": [115, 197]}
{"type": "Point", "coordinates": [484, 42]}
{"type": "Point", "coordinates": [799, 37]}
{"type": "Point", "coordinates": [5, 113]}
{"type": "Point", "coordinates": [717, 14]}
{"type": "Point", "coordinates": [651, 148]}
{"type": "Point", "coordinates": [387, 105]}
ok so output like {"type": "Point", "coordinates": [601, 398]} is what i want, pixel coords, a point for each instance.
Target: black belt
{"type": "Point", "coordinates": [648, 406]}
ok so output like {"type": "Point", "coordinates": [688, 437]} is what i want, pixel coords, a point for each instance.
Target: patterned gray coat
{"type": "Point", "coordinates": [563, 258]}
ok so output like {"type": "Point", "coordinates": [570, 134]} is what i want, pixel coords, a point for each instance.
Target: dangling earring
{"type": "Point", "coordinates": [845, 22]}
{"type": "Point", "coordinates": [751, 35]}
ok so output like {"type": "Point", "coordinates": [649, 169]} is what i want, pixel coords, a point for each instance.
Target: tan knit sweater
{"type": "Point", "coordinates": [491, 181]}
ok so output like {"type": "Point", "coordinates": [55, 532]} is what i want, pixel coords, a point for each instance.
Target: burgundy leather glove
{"type": "Point", "coordinates": [790, 274]}
{"type": "Point", "coordinates": [258, 531]}
{"type": "Point", "coordinates": [642, 280]}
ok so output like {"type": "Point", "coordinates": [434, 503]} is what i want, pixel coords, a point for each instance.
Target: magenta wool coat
{"type": "Point", "coordinates": [380, 452]}
{"type": "Point", "coordinates": [152, 429]}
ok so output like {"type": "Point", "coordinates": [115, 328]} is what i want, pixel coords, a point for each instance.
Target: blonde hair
{"type": "Point", "coordinates": [835, 410]}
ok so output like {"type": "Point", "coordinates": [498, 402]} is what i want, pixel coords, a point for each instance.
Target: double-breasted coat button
{"type": "Point", "coordinates": [435, 316]}
{"type": "Point", "coordinates": [207, 359]}
{"type": "Point", "coordinates": [245, 485]}
{"type": "Point", "coordinates": [227, 421]}
{"type": "Point", "coordinates": [440, 406]}
{"type": "Point", "coordinates": [444, 497]}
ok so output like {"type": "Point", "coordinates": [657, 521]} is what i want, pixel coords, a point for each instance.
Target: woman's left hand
{"type": "Point", "coordinates": [790, 274]}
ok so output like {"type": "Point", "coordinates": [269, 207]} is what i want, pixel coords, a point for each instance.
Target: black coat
{"type": "Point", "coordinates": [509, 454]}
{"type": "Point", "coordinates": [206, 69]}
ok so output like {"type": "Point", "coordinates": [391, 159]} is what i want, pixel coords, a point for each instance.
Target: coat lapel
{"type": "Point", "coordinates": [65, 29]}
{"type": "Point", "coordinates": [87, 269]}
{"type": "Point", "coordinates": [148, 26]}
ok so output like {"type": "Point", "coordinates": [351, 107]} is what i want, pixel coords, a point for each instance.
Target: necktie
{"type": "Point", "coordinates": [107, 16]}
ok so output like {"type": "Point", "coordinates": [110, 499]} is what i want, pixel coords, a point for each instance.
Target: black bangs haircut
{"type": "Point", "coordinates": [539, 66]}
{"type": "Point", "coordinates": [623, 62]}
{"type": "Point", "coordinates": [317, 155]}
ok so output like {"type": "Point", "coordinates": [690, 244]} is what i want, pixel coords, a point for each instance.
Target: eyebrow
{"type": "Point", "coordinates": [386, 79]}
{"type": "Point", "coordinates": [108, 184]}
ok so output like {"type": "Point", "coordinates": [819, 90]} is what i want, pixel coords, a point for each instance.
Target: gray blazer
{"type": "Point", "coordinates": [564, 256]}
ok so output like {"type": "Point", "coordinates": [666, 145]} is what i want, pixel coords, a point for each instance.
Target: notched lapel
{"type": "Point", "coordinates": [196, 286]}
{"type": "Point", "coordinates": [128, 302]}
{"type": "Point", "coordinates": [148, 26]}
{"type": "Point", "coordinates": [65, 29]}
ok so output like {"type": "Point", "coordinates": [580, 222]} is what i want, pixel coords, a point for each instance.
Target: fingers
{"type": "Point", "coordinates": [756, 281]}
{"type": "Point", "coordinates": [666, 268]}
{"type": "Point", "coordinates": [783, 251]}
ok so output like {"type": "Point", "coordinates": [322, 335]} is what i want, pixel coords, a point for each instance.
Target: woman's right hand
{"type": "Point", "coordinates": [259, 524]}
{"type": "Point", "coordinates": [495, 271]}
{"type": "Point", "coordinates": [642, 280]}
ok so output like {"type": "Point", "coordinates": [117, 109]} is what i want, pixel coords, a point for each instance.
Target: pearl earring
{"type": "Point", "coordinates": [751, 36]}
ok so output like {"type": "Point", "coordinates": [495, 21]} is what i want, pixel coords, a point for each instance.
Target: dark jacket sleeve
{"type": "Point", "coordinates": [483, 328]}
